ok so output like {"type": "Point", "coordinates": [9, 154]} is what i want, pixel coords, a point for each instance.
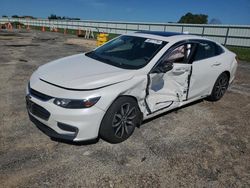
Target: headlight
{"type": "Point", "coordinates": [76, 103]}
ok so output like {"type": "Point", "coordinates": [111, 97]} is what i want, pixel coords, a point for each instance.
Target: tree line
{"type": "Point", "coordinates": [188, 18]}
{"type": "Point", "coordinates": [55, 17]}
{"type": "Point", "coordinates": [197, 19]}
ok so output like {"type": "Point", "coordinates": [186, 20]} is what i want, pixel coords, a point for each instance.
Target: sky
{"type": "Point", "coordinates": [227, 11]}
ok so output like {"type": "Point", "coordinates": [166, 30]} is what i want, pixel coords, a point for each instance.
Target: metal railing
{"type": "Point", "coordinates": [233, 35]}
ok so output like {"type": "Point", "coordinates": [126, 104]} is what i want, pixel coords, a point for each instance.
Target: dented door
{"type": "Point", "coordinates": [169, 89]}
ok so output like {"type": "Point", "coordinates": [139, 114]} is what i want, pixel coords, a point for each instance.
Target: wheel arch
{"type": "Point", "coordinates": [103, 128]}
{"type": "Point", "coordinates": [227, 73]}
{"type": "Point", "coordinates": [212, 86]}
{"type": "Point", "coordinates": [132, 97]}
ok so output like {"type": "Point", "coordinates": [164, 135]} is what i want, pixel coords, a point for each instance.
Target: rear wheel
{"type": "Point", "coordinates": [219, 88]}
{"type": "Point", "coordinates": [120, 120]}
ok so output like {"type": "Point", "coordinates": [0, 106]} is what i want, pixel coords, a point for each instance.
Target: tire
{"type": "Point", "coordinates": [219, 88]}
{"type": "Point", "coordinates": [120, 120]}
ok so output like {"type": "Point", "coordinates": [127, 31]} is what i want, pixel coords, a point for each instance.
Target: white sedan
{"type": "Point", "coordinates": [109, 91]}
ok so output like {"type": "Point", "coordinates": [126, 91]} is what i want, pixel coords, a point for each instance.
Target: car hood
{"type": "Point", "coordinates": [81, 72]}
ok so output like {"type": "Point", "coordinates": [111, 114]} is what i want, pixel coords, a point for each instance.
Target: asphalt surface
{"type": "Point", "coordinates": [202, 145]}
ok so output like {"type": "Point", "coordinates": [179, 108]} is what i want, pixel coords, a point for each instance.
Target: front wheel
{"type": "Point", "coordinates": [219, 88]}
{"type": "Point", "coordinates": [120, 120]}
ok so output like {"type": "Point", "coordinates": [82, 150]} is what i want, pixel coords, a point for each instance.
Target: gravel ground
{"type": "Point", "coordinates": [202, 145]}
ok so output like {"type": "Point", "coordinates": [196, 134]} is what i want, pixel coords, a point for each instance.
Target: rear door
{"type": "Point", "coordinates": [169, 88]}
{"type": "Point", "coordinates": [206, 68]}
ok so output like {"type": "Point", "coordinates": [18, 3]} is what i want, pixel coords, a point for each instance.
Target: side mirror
{"type": "Point", "coordinates": [165, 67]}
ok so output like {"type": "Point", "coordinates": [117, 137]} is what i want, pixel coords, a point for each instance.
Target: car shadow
{"type": "Point", "coordinates": [80, 143]}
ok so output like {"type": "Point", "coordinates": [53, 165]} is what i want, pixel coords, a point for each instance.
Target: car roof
{"type": "Point", "coordinates": [166, 36]}
{"type": "Point", "coordinates": [161, 33]}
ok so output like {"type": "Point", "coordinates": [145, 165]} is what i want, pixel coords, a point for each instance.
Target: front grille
{"type": "Point", "coordinates": [39, 95]}
{"type": "Point", "coordinates": [37, 110]}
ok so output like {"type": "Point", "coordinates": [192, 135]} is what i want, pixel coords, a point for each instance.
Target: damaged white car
{"type": "Point", "coordinates": [109, 91]}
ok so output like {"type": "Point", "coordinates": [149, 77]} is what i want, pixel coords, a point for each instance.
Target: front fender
{"type": "Point", "coordinates": [135, 87]}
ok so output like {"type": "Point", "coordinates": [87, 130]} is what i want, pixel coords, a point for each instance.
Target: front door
{"type": "Point", "coordinates": [169, 79]}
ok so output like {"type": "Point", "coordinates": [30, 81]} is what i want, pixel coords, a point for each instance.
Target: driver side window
{"type": "Point", "coordinates": [180, 54]}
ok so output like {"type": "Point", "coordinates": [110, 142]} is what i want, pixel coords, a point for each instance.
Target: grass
{"type": "Point", "coordinates": [243, 54]}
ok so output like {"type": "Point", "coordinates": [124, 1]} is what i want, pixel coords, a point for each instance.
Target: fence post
{"type": "Point", "coordinates": [203, 28]}
{"type": "Point", "coordinates": [226, 36]}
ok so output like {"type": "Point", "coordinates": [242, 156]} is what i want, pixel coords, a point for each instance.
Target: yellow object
{"type": "Point", "coordinates": [103, 35]}
{"type": "Point", "coordinates": [100, 43]}
{"type": "Point", "coordinates": [102, 38]}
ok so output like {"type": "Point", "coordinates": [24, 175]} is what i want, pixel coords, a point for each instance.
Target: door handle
{"type": "Point", "coordinates": [179, 70]}
{"type": "Point", "coordinates": [216, 64]}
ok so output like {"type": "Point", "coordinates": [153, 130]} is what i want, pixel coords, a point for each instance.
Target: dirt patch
{"type": "Point", "coordinates": [8, 34]}
{"type": "Point", "coordinates": [81, 42]}
{"type": "Point", "coordinates": [21, 45]}
{"type": "Point", "coordinates": [43, 39]}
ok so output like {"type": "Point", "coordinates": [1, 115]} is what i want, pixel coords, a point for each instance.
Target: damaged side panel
{"type": "Point", "coordinates": [168, 89]}
{"type": "Point", "coordinates": [134, 87]}
{"type": "Point", "coordinates": [153, 92]}
{"type": "Point", "coordinates": [138, 90]}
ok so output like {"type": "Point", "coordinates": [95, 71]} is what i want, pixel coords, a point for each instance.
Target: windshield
{"type": "Point", "coordinates": [128, 52]}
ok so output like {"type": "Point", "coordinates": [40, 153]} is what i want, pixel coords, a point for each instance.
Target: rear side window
{"type": "Point", "coordinates": [219, 49]}
{"type": "Point", "coordinates": [205, 49]}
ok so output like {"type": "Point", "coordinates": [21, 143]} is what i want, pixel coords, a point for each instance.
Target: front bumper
{"type": "Point", "coordinates": [50, 132]}
{"type": "Point", "coordinates": [58, 122]}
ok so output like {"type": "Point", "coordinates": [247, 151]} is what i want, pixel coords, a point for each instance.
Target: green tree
{"type": "Point", "coordinates": [15, 16]}
{"type": "Point", "coordinates": [194, 18]}
{"type": "Point", "coordinates": [52, 16]}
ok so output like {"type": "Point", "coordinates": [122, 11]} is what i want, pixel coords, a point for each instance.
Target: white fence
{"type": "Point", "coordinates": [233, 35]}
